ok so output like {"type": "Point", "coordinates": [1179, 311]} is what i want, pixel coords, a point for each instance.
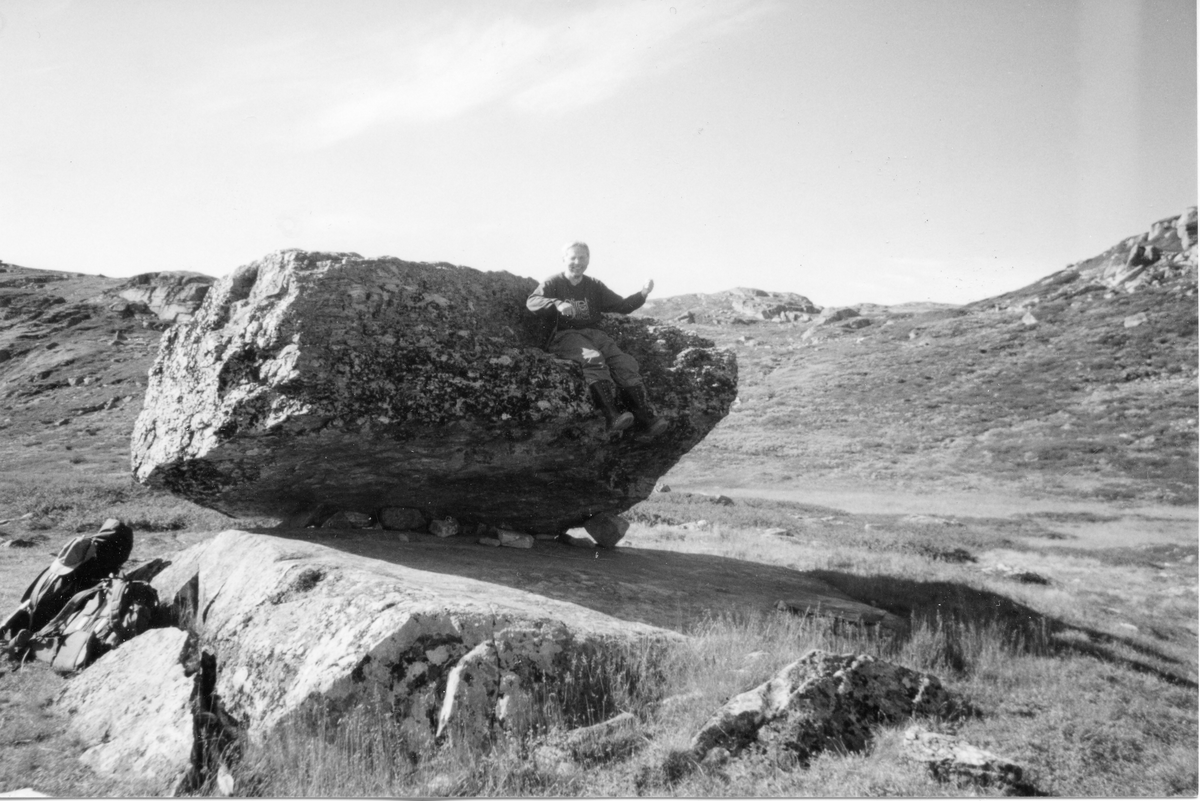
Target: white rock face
{"type": "Point", "coordinates": [1167, 251]}
{"type": "Point", "coordinates": [131, 707]}
{"type": "Point", "coordinates": [173, 296]}
{"type": "Point", "coordinates": [295, 623]}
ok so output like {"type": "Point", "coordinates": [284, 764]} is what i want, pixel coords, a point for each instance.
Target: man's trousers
{"type": "Point", "coordinates": [599, 356]}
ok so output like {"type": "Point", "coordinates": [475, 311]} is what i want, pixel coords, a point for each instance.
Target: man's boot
{"type": "Point", "coordinates": [639, 404]}
{"type": "Point", "coordinates": [605, 395]}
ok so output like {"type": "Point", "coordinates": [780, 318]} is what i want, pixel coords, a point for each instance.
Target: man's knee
{"type": "Point", "coordinates": [590, 356]}
{"type": "Point", "coordinates": [625, 370]}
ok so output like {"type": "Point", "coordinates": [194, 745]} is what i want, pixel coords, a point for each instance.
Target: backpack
{"type": "Point", "coordinates": [80, 564]}
{"type": "Point", "coordinates": [94, 622]}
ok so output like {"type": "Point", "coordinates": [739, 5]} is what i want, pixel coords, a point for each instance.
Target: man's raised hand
{"type": "Point", "coordinates": [648, 288]}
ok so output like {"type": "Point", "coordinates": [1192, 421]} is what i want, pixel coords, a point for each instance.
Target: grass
{"type": "Point", "coordinates": [1087, 679]}
{"type": "Point", "coordinates": [36, 749]}
{"type": "Point", "coordinates": [1078, 398]}
{"type": "Point", "coordinates": [1047, 674]}
{"type": "Point", "coordinates": [1081, 726]}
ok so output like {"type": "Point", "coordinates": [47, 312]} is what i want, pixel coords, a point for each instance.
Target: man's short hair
{"type": "Point", "coordinates": [571, 245]}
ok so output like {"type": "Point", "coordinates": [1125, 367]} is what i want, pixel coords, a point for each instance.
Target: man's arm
{"type": "Point", "coordinates": [612, 302]}
{"type": "Point", "coordinates": [543, 299]}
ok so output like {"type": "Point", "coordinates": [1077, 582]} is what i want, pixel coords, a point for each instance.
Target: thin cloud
{"type": "Point", "coordinates": [328, 92]}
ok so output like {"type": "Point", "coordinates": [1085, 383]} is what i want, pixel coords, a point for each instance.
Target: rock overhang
{"type": "Point", "coordinates": [358, 384]}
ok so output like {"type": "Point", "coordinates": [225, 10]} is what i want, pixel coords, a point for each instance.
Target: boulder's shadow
{"type": "Point", "coordinates": [667, 589]}
{"type": "Point", "coordinates": [958, 611]}
{"type": "Point", "coordinates": [677, 590]}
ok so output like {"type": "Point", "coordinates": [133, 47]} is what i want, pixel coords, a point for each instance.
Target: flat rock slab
{"type": "Point", "coordinates": [334, 618]}
{"type": "Point", "coordinates": [296, 623]}
{"type": "Point", "coordinates": [667, 589]}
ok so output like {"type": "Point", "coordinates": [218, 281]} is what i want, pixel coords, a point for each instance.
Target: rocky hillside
{"type": "Point", "coordinates": [1083, 384]}
{"type": "Point", "coordinates": [733, 306]}
{"type": "Point", "coordinates": [74, 353]}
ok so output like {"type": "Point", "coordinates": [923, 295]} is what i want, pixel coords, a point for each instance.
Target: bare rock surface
{"type": "Point", "coordinates": [950, 757]}
{"type": "Point", "coordinates": [837, 315]}
{"type": "Point", "coordinates": [1164, 253]}
{"type": "Point", "coordinates": [740, 304]}
{"type": "Point", "coordinates": [327, 378]}
{"type": "Point", "coordinates": [131, 708]}
{"type": "Point", "coordinates": [171, 296]}
{"type": "Point", "coordinates": [820, 701]}
{"type": "Point", "coordinates": [456, 637]}
{"type": "Point", "coordinates": [293, 623]}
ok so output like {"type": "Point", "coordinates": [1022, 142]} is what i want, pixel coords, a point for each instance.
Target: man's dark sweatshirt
{"type": "Point", "coordinates": [591, 298]}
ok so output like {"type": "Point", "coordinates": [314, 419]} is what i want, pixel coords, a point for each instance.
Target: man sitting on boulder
{"type": "Point", "coordinates": [578, 302]}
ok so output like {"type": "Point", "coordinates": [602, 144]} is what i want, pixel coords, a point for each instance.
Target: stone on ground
{"type": "Point", "coordinates": [614, 738]}
{"type": "Point", "coordinates": [345, 519]}
{"type": "Point", "coordinates": [447, 527]}
{"type": "Point", "coordinates": [820, 701]}
{"type": "Point", "coordinates": [832, 315]}
{"type": "Point", "coordinates": [606, 529]}
{"type": "Point", "coordinates": [132, 710]}
{"type": "Point", "coordinates": [514, 539]}
{"type": "Point", "coordinates": [396, 518]}
{"type": "Point", "coordinates": [949, 757]}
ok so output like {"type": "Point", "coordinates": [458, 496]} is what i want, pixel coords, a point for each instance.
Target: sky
{"type": "Point", "coordinates": [881, 151]}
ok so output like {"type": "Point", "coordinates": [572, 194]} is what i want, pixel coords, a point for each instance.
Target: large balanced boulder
{"type": "Point", "coordinates": [325, 380]}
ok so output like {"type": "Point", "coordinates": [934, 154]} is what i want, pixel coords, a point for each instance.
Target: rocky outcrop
{"type": "Point", "coordinates": [821, 701]}
{"type": "Point", "coordinates": [1139, 279]}
{"type": "Point", "coordinates": [856, 323]}
{"type": "Point", "coordinates": [1165, 252]}
{"type": "Point", "coordinates": [297, 627]}
{"type": "Point", "coordinates": [836, 315]}
{"type": "Point", "coordinates": [738, 305]}
{"type": "Point", "coordinates": [171, 296]}
{"type": "Point", "coordinates": [768, 307]}
{"type": "Point", "coordinates": [327, 379]}
{"type": "Point", "coordinates": [1185, 229]}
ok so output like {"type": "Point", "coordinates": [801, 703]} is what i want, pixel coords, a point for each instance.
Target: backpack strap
{"type": "Point", "coordinates": [67, 641]}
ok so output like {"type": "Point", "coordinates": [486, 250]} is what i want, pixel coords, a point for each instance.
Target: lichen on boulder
{"type": "Point", "coordinates": [356, 384]}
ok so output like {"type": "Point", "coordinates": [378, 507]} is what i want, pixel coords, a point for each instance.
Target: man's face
{"type": "Point", "coordinates": [576, 260]}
